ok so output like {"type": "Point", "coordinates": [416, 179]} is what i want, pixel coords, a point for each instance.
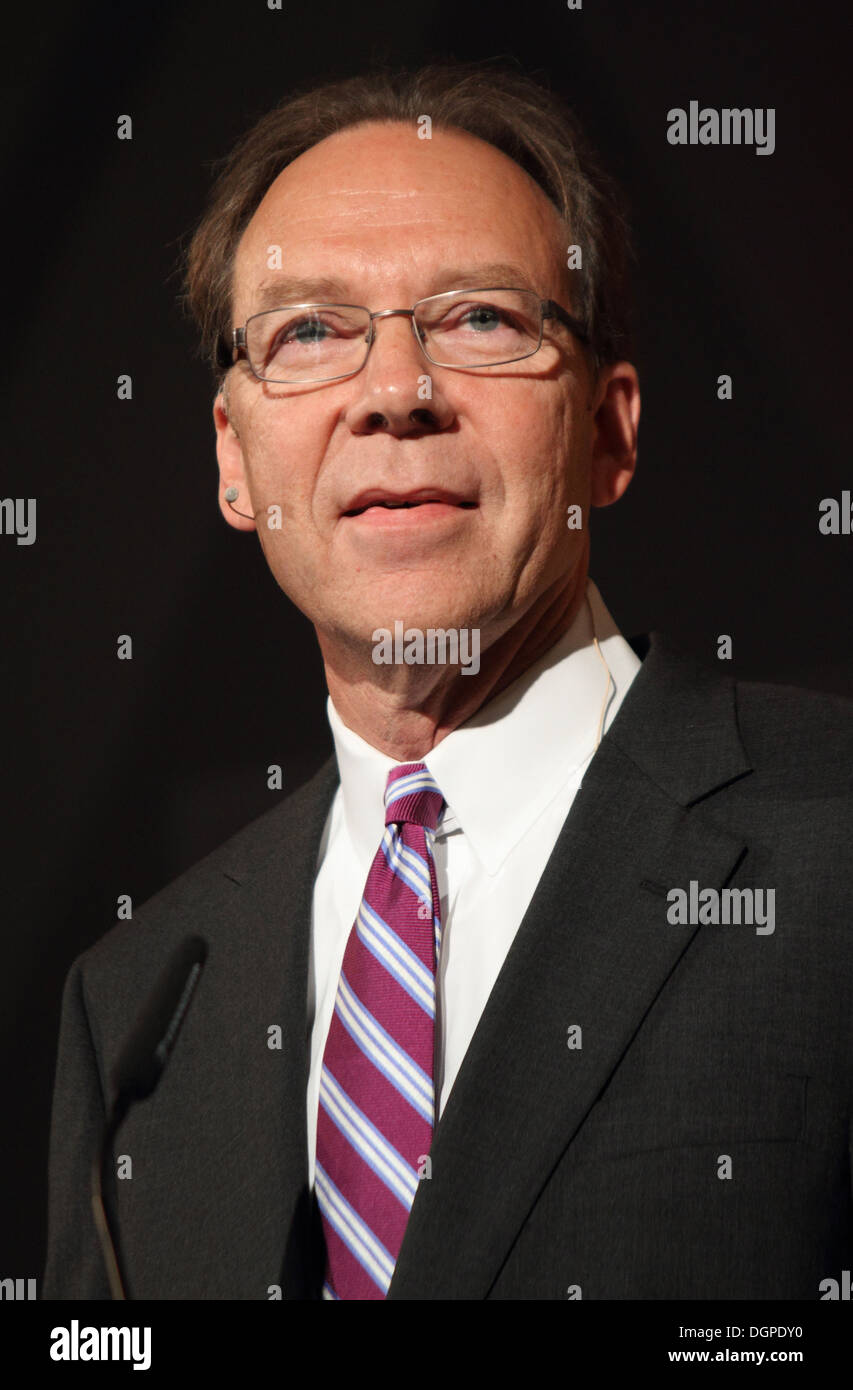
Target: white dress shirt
{"type": "Point", "coordinates": [509, 775]}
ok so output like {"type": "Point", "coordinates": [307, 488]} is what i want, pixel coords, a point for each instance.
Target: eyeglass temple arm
{"type": "Point", "coordinates": [229, 353]}
{"type": "Point", "coordinates": [552, 310]}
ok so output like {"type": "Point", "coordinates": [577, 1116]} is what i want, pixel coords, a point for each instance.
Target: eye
{"type": "Point", "coordinates": [308, 331]}
{"type": "Point", "coordinates": [484, 316]}
{"type": "Point", "coordinates": [293, 334]}
{"type": "Point", "coordinates": [477, 319]}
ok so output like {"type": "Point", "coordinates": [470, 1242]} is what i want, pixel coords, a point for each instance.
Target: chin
{"type": "Point", "coordinates": [416, 603]}
{"type": "Point", "coordinates": [420, 615]}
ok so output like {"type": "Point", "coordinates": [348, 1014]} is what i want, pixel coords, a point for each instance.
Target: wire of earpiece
{"type": "Point", "coordinates": [231, 493]}
{"type": "Point", "coordinates": [609, 677]}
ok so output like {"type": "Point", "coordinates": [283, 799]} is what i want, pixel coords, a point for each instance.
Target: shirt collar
{"type": "Point", "coordinates": [500, 769]}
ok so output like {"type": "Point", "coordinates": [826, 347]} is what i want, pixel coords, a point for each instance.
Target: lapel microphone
{"type": "Point", "coordinates": [136, 1076]}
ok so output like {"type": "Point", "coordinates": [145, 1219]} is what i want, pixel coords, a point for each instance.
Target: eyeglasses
{"type": "Point", "coordinates": [328, 342]}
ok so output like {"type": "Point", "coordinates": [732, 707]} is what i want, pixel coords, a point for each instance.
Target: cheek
{"type": "Point", "coordinates": [544, 444]}
{"type": "Point", "coordinates": [281, 461]}
{"type": "Point", "coordinates": [544, 418]}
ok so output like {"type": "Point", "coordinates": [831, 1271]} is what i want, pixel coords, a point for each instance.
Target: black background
{"type": "Point", "coordinates": [117, 775]}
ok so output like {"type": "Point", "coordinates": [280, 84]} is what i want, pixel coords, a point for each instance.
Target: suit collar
{"type": "Point", "coordinates": [679, 722]}
{"type": "Point", "coordinates": [285, 839]}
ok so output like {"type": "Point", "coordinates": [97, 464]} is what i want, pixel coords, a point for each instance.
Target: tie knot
{"type": "Point", "coordinates": [411, 796]}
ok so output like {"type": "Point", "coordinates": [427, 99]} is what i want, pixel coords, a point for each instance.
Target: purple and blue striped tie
{"type": "Point", "coordinates": [376, 1112]}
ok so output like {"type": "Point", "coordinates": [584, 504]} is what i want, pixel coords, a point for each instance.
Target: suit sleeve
{"type": "Point", "coordinates": [74, 1265]}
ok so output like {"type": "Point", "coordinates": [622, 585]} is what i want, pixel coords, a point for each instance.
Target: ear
{"type": "Point", "coordinates": [616, 410]}
{"type": "Point", "coordinates": [232, 473]}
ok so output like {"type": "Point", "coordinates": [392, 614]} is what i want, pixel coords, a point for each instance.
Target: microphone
{"type": "Point", "coordinates": [231, 494]}
{"type": "Point", "coordinates": [137, 1073]}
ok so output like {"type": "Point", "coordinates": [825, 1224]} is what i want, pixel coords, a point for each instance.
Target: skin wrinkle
{"type": "Point", "coordinates": [523, 441]}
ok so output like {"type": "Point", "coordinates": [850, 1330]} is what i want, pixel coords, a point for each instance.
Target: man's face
{"type": "Point", "coordinates": [394, 218]}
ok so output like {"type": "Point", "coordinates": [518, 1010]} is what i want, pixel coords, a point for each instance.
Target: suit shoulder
{"type": "Point", "coordinates": [804, 734]}
{"type": "Point", "coordinates": [175, 910]}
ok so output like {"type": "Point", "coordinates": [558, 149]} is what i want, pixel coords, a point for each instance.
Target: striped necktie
{"type": "Point", "coordinates": [376, 1111]}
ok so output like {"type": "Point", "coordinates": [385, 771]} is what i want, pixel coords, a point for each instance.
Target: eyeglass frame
{"type": "Point", "coordinates": [548, 309]}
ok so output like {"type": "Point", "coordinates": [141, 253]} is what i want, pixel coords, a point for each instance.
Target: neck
{"type": "Point", "coordinates": [404, 711]}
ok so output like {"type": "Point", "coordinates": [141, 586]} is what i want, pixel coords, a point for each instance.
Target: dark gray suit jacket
{"type": "Point", "coordinates": [597, 1171]}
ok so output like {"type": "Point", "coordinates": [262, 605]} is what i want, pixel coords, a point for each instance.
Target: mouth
{"type": "Point", "coordinates": [379, 501]}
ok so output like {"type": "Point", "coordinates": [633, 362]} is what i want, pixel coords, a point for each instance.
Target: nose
{"type": "Point", "coordinates": [399, 390]}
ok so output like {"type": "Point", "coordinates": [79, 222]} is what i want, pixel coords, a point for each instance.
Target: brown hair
{"type": "Point", "coordinates": [524, 120]}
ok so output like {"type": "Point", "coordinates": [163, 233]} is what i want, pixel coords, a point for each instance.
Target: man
{"type": "Point", "coordinates": [542, 987]}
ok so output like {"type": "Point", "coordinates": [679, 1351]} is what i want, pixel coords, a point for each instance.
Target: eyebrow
{"type": "Point", "coordinates": [289, 289]}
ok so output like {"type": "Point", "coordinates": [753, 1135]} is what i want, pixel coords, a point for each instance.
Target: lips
{"type": "Point", "coordinates": [381, 498]}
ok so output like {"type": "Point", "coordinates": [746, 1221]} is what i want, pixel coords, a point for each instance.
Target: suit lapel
{"type": "Point", "coordinates": [270, 1218]}
{"type": "Point", "coordinates": [594, 949]}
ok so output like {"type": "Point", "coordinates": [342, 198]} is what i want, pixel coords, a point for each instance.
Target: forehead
{"type": "Point", "coordinates": [375, 206]}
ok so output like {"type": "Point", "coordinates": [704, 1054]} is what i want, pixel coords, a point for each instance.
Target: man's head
{"type": "Point", "coordinates": [366, 211]}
